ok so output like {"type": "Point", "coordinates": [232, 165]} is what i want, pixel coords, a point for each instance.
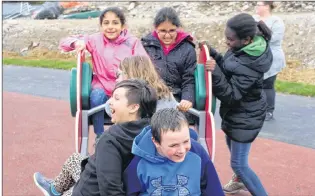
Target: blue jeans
{"type": "Point", "coordinates": [239, 163]}
{"type": "Point", "coordinates": [98, 97]}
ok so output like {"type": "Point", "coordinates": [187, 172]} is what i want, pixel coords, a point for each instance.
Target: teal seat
{"type": "Point", "coordinates": [200, 89]}
{"type": "Point", "coordinates": [86, 88]}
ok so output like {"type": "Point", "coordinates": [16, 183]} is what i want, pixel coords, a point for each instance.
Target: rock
{"type": "Point", "coordinates": [131, 6]}
{"type": "Point", "coordinates": [309, 7]}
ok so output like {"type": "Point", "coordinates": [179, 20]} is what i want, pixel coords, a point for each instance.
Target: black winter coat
{"type": "Point", "coordinates": [237, 82]}
{"type": "Point", "coordinates": [102, 172]}
{"type": "Point", "coordinates": [177, 68]}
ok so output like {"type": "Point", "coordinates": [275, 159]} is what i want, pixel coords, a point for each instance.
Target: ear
{"type": "Point", "coordinates": [134, 108]}
{"type": "Point", "coordinates": [156, 144]}
{"type": "Point", "coordinates": [247, 40]}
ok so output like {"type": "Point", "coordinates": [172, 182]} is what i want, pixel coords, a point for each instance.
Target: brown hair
{"type": "Point", "coordinates": [141, 67]}
{"type": "Point", "coordinates": [270, 4]}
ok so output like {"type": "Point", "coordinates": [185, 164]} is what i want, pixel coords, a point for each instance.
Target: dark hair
{"type": "Point", "coordinates": [244, 25]}
{"type": "Point", "coordinates": [165, 120]}
{"type": "Point", "coordinates": [270, 4]}
{"type": "Point", "coordinates": [120, 14]}
{"type": "Point", "coordinates": [167, 14]}
{"type": "Point", "coordinates": [139, 92]}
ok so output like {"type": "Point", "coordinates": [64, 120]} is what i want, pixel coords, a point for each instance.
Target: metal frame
{"type": "Point", "coordinates": [206, 120]}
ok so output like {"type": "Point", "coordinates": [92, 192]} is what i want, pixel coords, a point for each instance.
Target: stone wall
{"type": "Point", "coordinates": [205, 20]}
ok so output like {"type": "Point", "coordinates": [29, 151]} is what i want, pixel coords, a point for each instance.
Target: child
{"type": "Point", "coordinates": [237, 80]}
{"type": "Point", "coordinates": [168, 162]}
{"type": "Point", "coordinates": [107, 49]}
{"type": "Point", "coordinates": [132, 104]}
{"type": "Point", "coordinates": [173, 54]}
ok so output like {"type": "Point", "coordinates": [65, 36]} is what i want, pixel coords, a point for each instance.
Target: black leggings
{"type": "Point", "coordinates": [269, 89]}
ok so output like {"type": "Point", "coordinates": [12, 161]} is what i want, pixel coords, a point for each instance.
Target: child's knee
{"type": "Point", "coordinates": [98, 97]}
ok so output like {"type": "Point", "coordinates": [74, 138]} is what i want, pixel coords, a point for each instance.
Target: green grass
{"type": "Point", "coordinates": [45, 63]}
{"type": "Point", "coordinates": [295, 88]}
{"type": "Point", "coordinates": [281, 86]}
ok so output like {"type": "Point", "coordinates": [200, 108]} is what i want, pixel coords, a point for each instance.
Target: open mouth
{"type": "Point", "coordinates": [112, 111]}
{"type": "Point", "coordinates": [180, 156]}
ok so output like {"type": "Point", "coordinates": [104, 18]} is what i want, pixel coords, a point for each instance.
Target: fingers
{"type": "Point", "coordinates": [210, 64]}
{"type": "Point", "coordinates": [79, 45]}
{"type": "Point", "coordinates": [184, 105]}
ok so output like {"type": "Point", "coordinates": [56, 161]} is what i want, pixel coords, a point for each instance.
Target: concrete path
{"type": "Point", "coordinates": [294, 115]}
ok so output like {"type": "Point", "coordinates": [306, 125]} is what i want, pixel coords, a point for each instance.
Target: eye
{"type": "Point", "coordinates": [174, 145]}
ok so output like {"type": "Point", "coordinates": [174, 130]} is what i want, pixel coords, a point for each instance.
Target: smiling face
{"type": "Point", "coordinates": [167, 32]}
{"type": "Point", "coordinates": [174, 145]}
{"type": "Point", "coordinates": [111, 25]}
{"type": "Point", "coordinates": [120, 108]}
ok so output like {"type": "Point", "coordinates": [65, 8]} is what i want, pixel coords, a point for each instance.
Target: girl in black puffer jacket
{"type": "Point", "coordinates": [174, 57]}
{"type": "Point", "coordinates": [237, 79]}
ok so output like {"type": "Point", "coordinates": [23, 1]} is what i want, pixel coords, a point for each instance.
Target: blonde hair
{"type": "Point", "coordinates": [141, 67]}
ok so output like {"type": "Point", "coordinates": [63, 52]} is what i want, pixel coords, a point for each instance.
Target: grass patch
{"type": "Point", "coordinates": [295, 88]}
{"type": "Point", "coordinates": [292, 80]}
{"type": "Point", "coordinates": [45, 63]}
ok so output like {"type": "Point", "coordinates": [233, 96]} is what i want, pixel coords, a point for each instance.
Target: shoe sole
{"type": "Point", "coordinates": [43, 190]}
{"type": "Point", "coordinates": [234, 192]}
{"type": "Point", "coordinates": [231, 192]}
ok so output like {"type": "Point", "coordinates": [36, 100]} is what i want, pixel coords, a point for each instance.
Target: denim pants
{"type": "Point", "coordinates": [98, 97]}
{"type": "Point", "coordinates": [269, 89]}
{"type": "Point", "coordinates": [239, 163]}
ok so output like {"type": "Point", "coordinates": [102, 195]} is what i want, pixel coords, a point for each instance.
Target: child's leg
{"type": "Point", "coordinates": [68, 192]}
{"type": "Point", "coordinates": [69, 174]}
{"type": "Point", "coordinates": [98, 97]}
{"type": "Point", "coordinates": [239, 164]}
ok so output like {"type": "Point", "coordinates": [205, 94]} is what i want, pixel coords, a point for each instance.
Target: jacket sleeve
{"type": "Point", "coordinates": [108, 167]}
{"type": "Point", "coordinates": [138, 49]}
{"type": "Point", "coordinates": [277, 29]}
{"type": "Point", "coordinates": [188, 84]}
{"type": "Point", "coordinates": [132, 182]}
{"type": "Point", "coordinates": [233, 90]}
{"type": "Point", "coordinates": [216, 56]}
{"type": "Point", "coordinates": [210, 182]}
{"type": "Point", "coordinates": [67, 44]}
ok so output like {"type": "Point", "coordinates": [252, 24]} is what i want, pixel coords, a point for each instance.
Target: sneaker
{"type": "Point", "coordinates": [43, 184]}
{"type": "Point", "coordinates": [234, 186]}
{"type": "Point", "coordinates": [269, 116]}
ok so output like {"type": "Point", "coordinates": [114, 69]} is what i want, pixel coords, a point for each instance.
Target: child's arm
{"type": "Point", "coordinates": [138, 49]}
{"type": "Point", "coordinates": [234, 89]}
{"type": "Point", "coordinates": [68, 44]}
{"type": "Point", "coordinates": [210, 182]}
{"type": "Point", "coordinates": [131, 181]}
{"type": "Point", "coordinates": [188, 78]}
{"type": "Point", "coordinates": [108, 167]}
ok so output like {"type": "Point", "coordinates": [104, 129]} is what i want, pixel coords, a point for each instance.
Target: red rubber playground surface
{"type": "Point", "coordinates": [38, 135]}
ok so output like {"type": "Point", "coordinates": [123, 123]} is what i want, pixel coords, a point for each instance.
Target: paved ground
{"type": "Point", "coordinates": [38, 135]}
{"type": "Point", "coordinates": [294, 115]}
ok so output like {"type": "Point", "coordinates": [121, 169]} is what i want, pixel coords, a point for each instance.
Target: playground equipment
{"type": "Point", "coordinates": [80, 88]}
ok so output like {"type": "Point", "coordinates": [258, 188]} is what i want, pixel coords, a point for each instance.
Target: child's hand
{"type": "Point", "coordinates": [210, 65]}
{"type": "Point", "coordinates": [184, 105]}
{"type": "Point", "coordinates": [79, 45]}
